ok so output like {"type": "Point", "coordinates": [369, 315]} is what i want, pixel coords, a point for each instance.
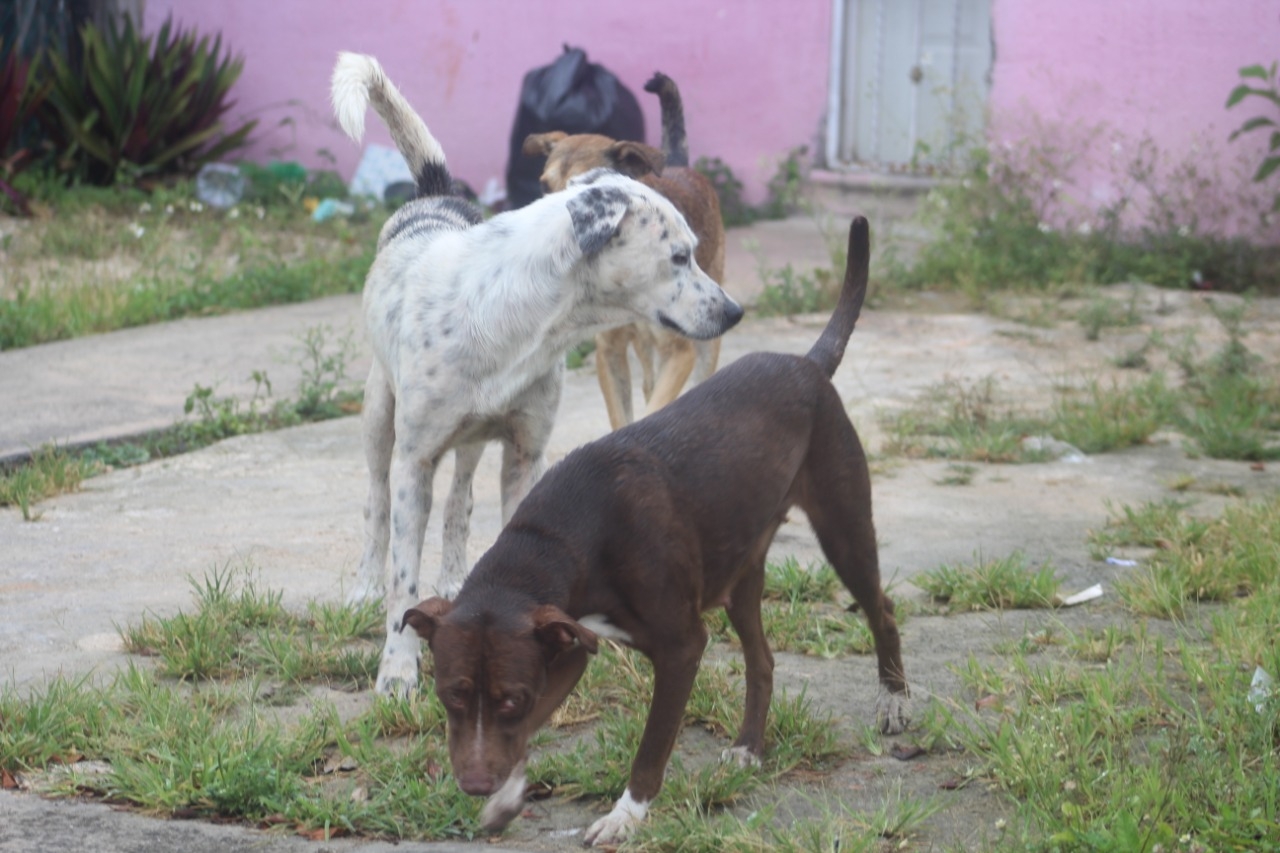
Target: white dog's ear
{"type": "Point", "coordinates": [596, 213]}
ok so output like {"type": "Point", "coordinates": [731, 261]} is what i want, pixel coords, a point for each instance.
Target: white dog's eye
{"type": "Point", "coordinates": [680, 259]}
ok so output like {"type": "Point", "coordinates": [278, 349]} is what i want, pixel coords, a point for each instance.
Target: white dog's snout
{"type": "Point", "coordinates": [710, 317]}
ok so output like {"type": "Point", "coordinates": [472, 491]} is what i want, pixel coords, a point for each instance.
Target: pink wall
{"type": "Point", "coordinates": [1102, 71]}
{"type": "Point", "coordinates": [753, 73]}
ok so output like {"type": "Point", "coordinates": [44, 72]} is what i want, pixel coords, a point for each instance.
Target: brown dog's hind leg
{"type": "Point", "coordinates": [837, 498]}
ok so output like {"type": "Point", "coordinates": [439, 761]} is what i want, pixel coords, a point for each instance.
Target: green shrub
{"type": "Point", "coordinates": [132, 106]}
{"type": "Point", "coordinates": [20, 94]}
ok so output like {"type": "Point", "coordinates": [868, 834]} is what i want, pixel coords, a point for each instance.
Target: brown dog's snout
{"type": "Point", "coordinates": [477, 782]}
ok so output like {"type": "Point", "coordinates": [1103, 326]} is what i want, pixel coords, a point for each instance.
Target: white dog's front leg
{"type": "Point", "coordinates": [614, 827]}
{"type": "Point", "coordinates": [410, 507]}
{"type": "Point", "coordinates": [457, 521]}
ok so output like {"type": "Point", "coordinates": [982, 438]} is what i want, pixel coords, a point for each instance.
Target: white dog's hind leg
{"type": "Point", "coordinates": [378, 428]}
{"type": "Point", "coordinates": [457, 520]}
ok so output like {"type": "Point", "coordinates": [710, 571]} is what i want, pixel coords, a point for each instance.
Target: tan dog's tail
{"type": "Point", "coordinates": [675, 144]}
{"type": "Point", "coordinates": [829, 349]}
{"type": "Point", "coordinates": [359, 82]}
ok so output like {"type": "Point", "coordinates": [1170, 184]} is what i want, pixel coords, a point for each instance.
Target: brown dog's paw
{"type": "Point", "coordinates": [892, 713]}
{"type": "Point", "coordinates": [740, 756]}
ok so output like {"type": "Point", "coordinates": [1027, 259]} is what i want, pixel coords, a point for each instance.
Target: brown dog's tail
{"type": "Point", "coordinates": [675, 144]}
{"type": "Point", "coordinates": [829, 349]}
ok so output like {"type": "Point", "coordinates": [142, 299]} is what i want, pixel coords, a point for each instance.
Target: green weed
{"type": "Point", "coordinates": [50, 471]}
{"type": "Point", "coordinates": [1195, 559]}
{"type": "Point", "coordinates": [999, 584]}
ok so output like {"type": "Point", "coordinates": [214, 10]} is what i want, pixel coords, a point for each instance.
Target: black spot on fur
{"type": "Point", "coordinates": [434, 180]}
{"type": "Point", "coordinates": [594, 213]}
{"type": "Point", "coordinates": [426, 342]}
{"type": "Point", "coordinates": [462, 208]}
{"type": "Point", "coordinates": [665, 234]}
{"type": "Point", "coordinates": [413, 590]}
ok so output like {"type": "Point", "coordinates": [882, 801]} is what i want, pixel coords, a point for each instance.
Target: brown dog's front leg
{"type": "Point", "coordinates": [674, 670]}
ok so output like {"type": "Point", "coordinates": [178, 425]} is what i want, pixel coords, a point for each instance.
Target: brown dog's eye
{"type": "Point", "coordinates": [510, 706]}
{"type": "Point", "coordinates": [456, 698]}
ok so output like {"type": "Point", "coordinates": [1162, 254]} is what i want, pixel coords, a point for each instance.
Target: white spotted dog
{"type": "Point", "coordinates": [469, 321]}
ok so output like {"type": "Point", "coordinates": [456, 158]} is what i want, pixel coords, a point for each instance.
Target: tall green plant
{"type": "Point", "coordinates": [1268, 92]}
{"type": "Point", "coordinates": [131, 106]}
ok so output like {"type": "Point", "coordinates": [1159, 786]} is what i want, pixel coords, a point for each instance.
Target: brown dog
{"type": "Point", "coordinates": [633, 536]}
{"type": "Point", "coordinates": [693, 195]}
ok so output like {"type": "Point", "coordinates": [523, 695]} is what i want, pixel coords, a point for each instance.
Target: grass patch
{"type": "Point", "coordinates": [238, 629]}
{"type": "Point", "coordinates": [1121, 738]}
{"type": "Point", "coordinates": [166, 255]}
{"type": "Point", "coordinates": [1000, 584]}
{"type": "Point", "coordinates": [801, 613]}
{"type": "Point", "coordinates": [50, 471]}
{"type": "Point", "coordinates": [1194, 560]}
{"type": "Point", "coordinates": [1227, 406]}
{"type": "Point", "coordinates": [199, 734]}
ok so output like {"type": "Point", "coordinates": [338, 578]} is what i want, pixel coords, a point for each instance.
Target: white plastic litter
{"type": "Point", "coordinates": [493, 192]}
{"type": "Point", "coordinates": [1120, 561]}
{"type": "Point", "coordinates": [1083, 595]}
{"type": "Point", "coordinates": [1059, 450]}
{"type": "Point", "coordinates": [219, 184]}
{"type": "Point", "coordinates": [379, 166]}
{"type": "Point", "coordinates": [1262, 688]}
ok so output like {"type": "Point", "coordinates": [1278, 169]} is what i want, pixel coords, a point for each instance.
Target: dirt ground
{"type": "Point", "coordinates": [289, 503]}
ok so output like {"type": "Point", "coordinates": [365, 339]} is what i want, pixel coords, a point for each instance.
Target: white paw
{"type": "Point", "coordinates": [397, 673]}
{"type": "Point", "coordinates": [740, 756]}
{"type": "Point", "coordinates": [892, 713]}
{"type": "Point", "coordinates": [503, 807]}
{"type": "Point", "coordinates": [449, 587]}
{"type": "Point", "coordinates": [614, 827]}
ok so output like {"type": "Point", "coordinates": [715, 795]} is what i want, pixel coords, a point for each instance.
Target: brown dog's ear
{"type": "Point", "coordinates": [558, 632]}
{"type": "Point", "coordinates": [540, 144]}
{"type": "Point", "coordinates": [635, 159]}
{"type": "Point", "coordinates": [424, 617]}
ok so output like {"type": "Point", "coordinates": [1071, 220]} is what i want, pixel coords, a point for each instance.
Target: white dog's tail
{"type": "Point", "coordinates": [359, 82]}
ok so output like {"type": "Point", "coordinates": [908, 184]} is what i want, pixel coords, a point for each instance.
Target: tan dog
{"type": "Point", "coordinates": [668, 172]}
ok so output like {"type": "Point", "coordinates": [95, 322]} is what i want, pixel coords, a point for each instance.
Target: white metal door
{"type": "Point", "coordinates": [909, 81]}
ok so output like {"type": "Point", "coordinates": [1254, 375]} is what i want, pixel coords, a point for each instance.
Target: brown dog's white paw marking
{"type": "Point", "coordinates": [614, 827]}
{"type": "Point", "coordinates": [740, 756]}
{"type": "Point", "coordinates": [892, 713]}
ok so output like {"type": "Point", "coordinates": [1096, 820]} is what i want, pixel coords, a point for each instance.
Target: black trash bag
{"type": "Point", "coordinates": [572, 95]}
